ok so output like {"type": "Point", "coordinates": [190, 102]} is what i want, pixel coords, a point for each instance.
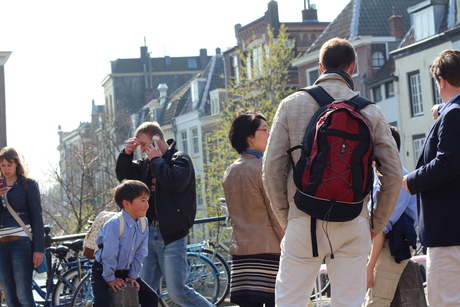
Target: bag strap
{"type": "Point", "coordinates": [319, 94]}
{"type": "Point", "coordinates": [122, 223]}
{"type": "Point", "coordinates": [360, 102]}
{"type": "Point", "coordinates": [16, 216]}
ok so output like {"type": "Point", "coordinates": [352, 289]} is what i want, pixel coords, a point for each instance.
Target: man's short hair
{"type": "Point", "coordinates": [150, 129]}
{"type": "Point", "coordinates": [337, 53]}
{"type": "Point", "coordinates": [447, 66]}
{"type": "Point", "coordinates": [129, 190]}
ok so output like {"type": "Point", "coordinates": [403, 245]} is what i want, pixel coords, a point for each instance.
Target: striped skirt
{"type": "Point", "coordinates": [253, 278]}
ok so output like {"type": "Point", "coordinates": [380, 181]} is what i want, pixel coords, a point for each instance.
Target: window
{"type": "Point", "coordinates": [417, 140]}
{"type": "Point", "coordinates": [192, 63]}
{"type": "Point", "coordinates": [377, 94]}
{"type": "Point", "coordinates": [257, 58]}
{"type": "Point", "coordinates": [209, 146]}
{"type": "Point", "coordinates": [199, 190]}
{"type": "Point", "coordinates": [249, 67]}
{"type": "Point", "coordinates": [215, 101]}
{"type": "Point", "coordinates": [424, 23]}
{"type": "Point", "coordinates": [183, 136]}
{"type": "Point", "coordinates": [415, 91]}
{"type": "Point", "coordinates": [236, 71]}
{"type": "Point", "coordinates": [195, 141]}
{"type": "Point", "coordinates": [312, 75]}
{"type": "Point", "coordinates": [436, 97]}
{"type": "Point", "coordinates": [356, 72]}
{"type": "Point", "coordinates": [389, 89]}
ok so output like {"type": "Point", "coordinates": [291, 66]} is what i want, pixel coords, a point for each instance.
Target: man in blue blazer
{"type": "Point", "coordinates": [436, 180]}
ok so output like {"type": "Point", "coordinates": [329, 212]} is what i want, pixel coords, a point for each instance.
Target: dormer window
{"type": "Point", "coordinates": [424, 23]}
{"type": "Point", "coordinates": [378, 56]}
{"type": "Point", "coordinates": [192, 63]}
{"type": "Point", "coordinates": [427, 17]}
{"type": "Point", "coordinates": [196, 89]}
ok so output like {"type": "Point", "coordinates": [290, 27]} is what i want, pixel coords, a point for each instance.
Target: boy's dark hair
{"type": "Point", "coordinates": [337, 53]}
{"type": "Point", "coordinates": [447, 66]}
{"type": "Point", "coordinates": [150, 129]}
{"type": "Point", "coordinates": [243, 126]}
{"type": "Point", "coordinates": [129, 190]}
{"type": "Point", "coordinates": [396, 136]}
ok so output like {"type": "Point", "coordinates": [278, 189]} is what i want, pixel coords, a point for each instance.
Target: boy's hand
{"type": "Point", "coordinates": [116, 284]}
{"type": "Point", "coordinates": [133, 282]}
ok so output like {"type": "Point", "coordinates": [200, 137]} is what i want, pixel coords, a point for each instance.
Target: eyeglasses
{"type": "Point", "coordinates": [264, 129]}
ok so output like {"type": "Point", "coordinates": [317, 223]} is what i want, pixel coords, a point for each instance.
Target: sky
{"type": "Point", "coordinates": [61, 52]}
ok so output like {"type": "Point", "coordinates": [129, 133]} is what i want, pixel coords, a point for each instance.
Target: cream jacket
{"type": "Point", "coordinates": [255, 227]}
{"type": "Point", "coordinates": [290, 123]}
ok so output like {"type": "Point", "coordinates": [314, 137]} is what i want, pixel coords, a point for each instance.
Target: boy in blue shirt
{"type": "Point", "coordinates": [386, 262]}
{"type": "Point", "coordinates": [119, 258]}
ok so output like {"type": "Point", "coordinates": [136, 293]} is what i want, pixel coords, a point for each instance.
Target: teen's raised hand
{"type": "Point", "coordinates": [153, 150]}
{"type": "Point", "coordinates": [131, 145]}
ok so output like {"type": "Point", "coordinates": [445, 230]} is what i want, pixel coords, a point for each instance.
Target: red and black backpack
{"type": "Point", "coordinates": [334, 173]}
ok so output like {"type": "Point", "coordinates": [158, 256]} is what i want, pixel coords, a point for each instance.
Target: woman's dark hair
{"type": "Point", "coordinates": [244, 125]}
{"type": "Point", "coordinates": [10, 154]}
{"type": "Point", "coordinates": [129, 190]}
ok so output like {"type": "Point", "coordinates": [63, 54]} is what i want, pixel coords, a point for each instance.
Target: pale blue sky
{"type": "Point", "coordinates": [62, 49]}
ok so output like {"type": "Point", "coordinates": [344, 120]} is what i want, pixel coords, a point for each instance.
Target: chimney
{"type": "Point", "coordinates": [203, 58]}
{"type": "Point", "coordinates": [309, 14]}
{"type": "Point", "coordinates": [218, 51]}
{"type": "Point", "coordinates": [271, 16]}
{"type": "Point", "coordinates": [396, 25]}
{"type": "Point", "coordinates": [163, 88]}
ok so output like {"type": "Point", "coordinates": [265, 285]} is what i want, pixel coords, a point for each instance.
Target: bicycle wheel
{"type": "Point", "coordinates": [224, 274]}
{"type": "Point", "coordinates": [63, 291]}
{"type": "Point", "coordinates": [203, 278]}
{"type": "Point", "coordinates": [82, 296]}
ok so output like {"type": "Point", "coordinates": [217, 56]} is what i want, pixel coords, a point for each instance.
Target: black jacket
{"type": "Point", "coordinates": [171, 179]}
{"type": "Point", "coordinates": [437, 181]}
{"type": "Point", "coordinates": [27, 204]}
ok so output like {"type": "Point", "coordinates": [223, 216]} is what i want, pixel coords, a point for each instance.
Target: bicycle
{"type": "Point", "coordinates": [67, 274]}
{"type": "Point", "coordinates": [203, 278]}
{"type": "Point", "coordinates": [213, 250]}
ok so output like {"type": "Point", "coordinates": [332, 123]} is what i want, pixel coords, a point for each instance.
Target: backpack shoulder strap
{"type": "Point", "coordinates": [319, 94]}
{"type": "Point", "coordinates": [144, 224]}
{"type": "Point", "coordinates": [122, 222]}
{"type": "Point", "coordinates": [360, 102]}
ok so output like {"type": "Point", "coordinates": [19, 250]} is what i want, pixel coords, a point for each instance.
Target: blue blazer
{"type": "Point", "coordinates": [436, 180]}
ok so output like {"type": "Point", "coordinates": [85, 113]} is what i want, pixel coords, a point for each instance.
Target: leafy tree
{"type": "Point", "coordinates": [261, 83]}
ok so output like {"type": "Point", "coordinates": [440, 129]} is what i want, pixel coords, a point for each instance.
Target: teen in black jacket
{"type": "Point", "coordinates": [170, 176]}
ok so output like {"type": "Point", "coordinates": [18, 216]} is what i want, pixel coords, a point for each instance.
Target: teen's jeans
{"type": "Point", "coordinates": [16, 267]}
{"type": "Point", "coordinates": [170, 261]}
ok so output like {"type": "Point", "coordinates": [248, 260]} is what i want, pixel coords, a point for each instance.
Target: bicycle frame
{"type": "Point", "coordinates": [55, 273]}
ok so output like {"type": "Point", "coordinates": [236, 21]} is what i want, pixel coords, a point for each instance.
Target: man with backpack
{"type": "Point", "coordinates": [329, 231]}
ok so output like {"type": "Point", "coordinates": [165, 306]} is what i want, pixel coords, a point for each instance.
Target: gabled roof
{"type": "Point", "coordinates": [214, 76]}
{"type": "Point", "coordinates": [176, 102]}
{"type": "Point", "coordinates": [365, 18]}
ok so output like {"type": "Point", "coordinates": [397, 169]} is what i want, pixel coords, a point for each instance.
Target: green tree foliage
{"type": "Point", "coordinates": [260, 83]}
